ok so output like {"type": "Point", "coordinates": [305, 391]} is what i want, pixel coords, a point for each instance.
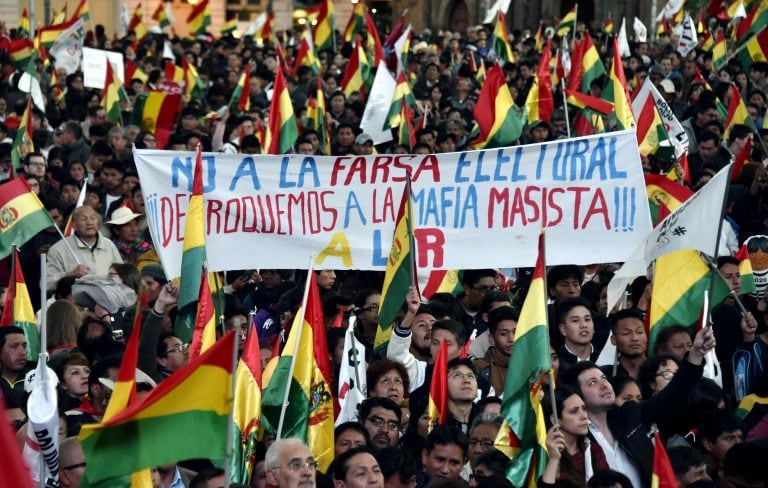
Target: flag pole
{"type": "Point", "coordinates": [565, 107]}
{"type": "Point", "coordinates": [66, 243]}
{"type": "Point", "coordinates": [546, 299]}
{"type": "Point", "coordinates": [411, 239]}
{"type": "Point", "coordinates": [713, 267]}
{"type": "Point", "coordinates": [231, 421]}
{"type": "Point", "coordinates": [43, 304]}
{"type": "Point", "coordinates": [292, 366]}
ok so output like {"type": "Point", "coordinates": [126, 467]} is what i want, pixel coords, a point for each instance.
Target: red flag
{"type": "Point", "coordinates": [741, 159]}
{"type": "Point", "coordinates": [437, 409]}
{"type": "Point", "coordinates": [663, 474]}
{"type": "Point", "coordinates": [464, 353]}
{"type": "Point", "coordinates": [14, 472]}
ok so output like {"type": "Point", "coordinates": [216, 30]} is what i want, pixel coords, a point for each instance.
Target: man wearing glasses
{"type": "Point", "coordinates": [289, 464]}
{"type": "Point", "coordinates": [476, 283]}
{"type": "Point", "coordinates": [172, 354]}
{"type": "Point", "coordinates": [462, 392]}
{"type": "Point", "coordinates": [381, 418]}
{"type": "Point", "coordinates": [71, 463]}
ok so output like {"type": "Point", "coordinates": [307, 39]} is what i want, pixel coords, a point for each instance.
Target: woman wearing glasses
{"type": "Point", "coordinates": [571, 456]}
{"type": "Point", "coordinates": [655, 374]}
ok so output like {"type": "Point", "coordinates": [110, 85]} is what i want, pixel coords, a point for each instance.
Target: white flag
{"type": "Point", "coordinates": [740, 12]}
{"type": "Point", "coordinates": [688, 227]}
{"type": "Point", "coordinates": [352, 382]}
{"type": "Point", "coordinates": [670, 9]}
{"type": "Point", "coordinates": [42, 444]}
{"type": "Point", "coordinates": [167, 51]}
{"type": "Point", "coordinates": [377, 107]}
{"type": "Point", "coordinates": [688, 39]}
{"type": "Point", "coordinates": [624, 50]}
{"type": "Point", "coordinates": [491, 13]}
{"type": "Point", "coordinates": [641, 33]}
{"type": "Point", "coordinates": [677, 134]}
{"type": "Point", "coordinates": [68, 48]}
{"type": "Point", "coordinates": [257, 24]}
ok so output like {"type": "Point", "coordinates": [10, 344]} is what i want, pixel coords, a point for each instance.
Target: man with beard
{"type": "Point", "coordinates": [381, 418]}
{"type": "Point", "coordinates": [631, 341]}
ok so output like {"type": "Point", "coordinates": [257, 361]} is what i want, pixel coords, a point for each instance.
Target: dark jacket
{"type": "Point", "coordinates": [631, 423]}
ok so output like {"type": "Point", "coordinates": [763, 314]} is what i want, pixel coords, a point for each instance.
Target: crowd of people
{"type": "Point", "coordinates": [604, 414]}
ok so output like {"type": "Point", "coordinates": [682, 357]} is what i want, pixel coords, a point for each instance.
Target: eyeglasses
{"type": "Point", "coordinates": [381, 423]}
{"type": "Point", "coordinates": [483, 442]}
{"type": "Point", "coordinates": [74, 466]}
{"type": "Point", "coordinates": [477, 476]}
{"type": "Point", "coordinates": [374, 307]}
{"type": "Point", "coordinates": [458, 375]}
{"type": "Point", "coordinates": [178, 348]}
{"type": "Point", "coordinates": [666, 374]}
{"type": "Point", "coordinates": [485, 289]}
{"type": "Point", "coordinates": [297, 465]}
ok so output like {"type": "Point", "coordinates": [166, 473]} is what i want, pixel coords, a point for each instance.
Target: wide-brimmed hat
{"type": "Point", "coordinates": [122, 216]}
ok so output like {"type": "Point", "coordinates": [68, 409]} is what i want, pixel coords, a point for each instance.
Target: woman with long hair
{"type": "Point", "coordinates": [572, 457]}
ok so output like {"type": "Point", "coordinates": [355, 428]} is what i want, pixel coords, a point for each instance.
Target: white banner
{"type": "Point", "coordinates": [274, 211]}
{"type": "Point", "coordinates": [42, 443]}
{"type": "Point", "coordinates": [95, 66]}
{"type": "Point", "coordinates": [353, 388]}
{"type": "Point", "coordinates": [677, 134]}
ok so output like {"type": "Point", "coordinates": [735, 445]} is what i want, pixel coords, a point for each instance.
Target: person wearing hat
{"type": "Point", "coordinates": [93, 253]}
{"type": "Point", "coordinates": [669, 92]}
{"type": "Point", "coordinates": [125, 234]}
{"type": "Point", "coordinates": [364, 144]}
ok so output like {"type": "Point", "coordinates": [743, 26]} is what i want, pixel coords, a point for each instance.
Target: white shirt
{"type": "Point", "coordinates": [617, 457]}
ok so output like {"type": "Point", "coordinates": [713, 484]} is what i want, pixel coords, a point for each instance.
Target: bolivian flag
{"type": "Point", "coordinates": [616, 91]}
{"type": "Point", "coordinates": [663, 475]}
{"type": "Point", "coordinates": [401, 270]}
{"type": "Point", "coordinates": [199, 18]}
{"type": "Point", "coordinates": [82, 11]}
{"type": "Point", "coordinates": [23, 30]}
{"type": "Point", "coordinates": [316, 118]}
{"type": "Point", "coordinates": [442, 281]}
{"type": "Point", "coordinates": [229, 26]}
{"type": "Point", "coordinates": [406, 134]}
{"type": "Point", "coordinates": [304, 368]}
{"type": "Point", "coordinates": [661, 189]}
{"type": "Point", "coordinates": [193, 256]}
{"type": "Point", "coordinates": [586, 66]}
{"type": "Point", "coordinates": [22, 216]}
{"type": "Point", "coordinates": [745, 270]}
{"type": "Point", "coordinates": [241, 97]}
{"type": "Point", "coordinates": [185, 417]}
{"type": "Point", "coordinates": [18, 308]}
{"type": "Point", "coordinates": [322, 29]}
{"type": "Point", "coordinates": [282, 131]}
{"type": "Point", "coordinates": [540, 103]}
{"type": "Point", "coordinates": [679, 282]}
{"type": "Point", "coordinates": [495, 113]}
{"type": "Point", "coordinates": [567, 23]}
{"type": "Point", "coordinates": [402, 93]}
{"type": "Point", "coordinates": [112, 96]}
{"type": "Point", "coordinates": [652, 135]}
{"type": "Point", "coordinates": [247, 409]}
{"type": "Point", "coordinates": [156, 112]}
{"type": "Point", "coordinates": [356, 24]}
{"type": "Point", "coordinates": [161, 16]}
{"type": "Point", "coordinates": [501, 40]}
{"type": "Point", "coordinates": [523, 434]}
{"type": "Point", "coordinates": [204, 335]}
{"type": "Point", "coordinates": [357, 72]}
{"type": "Point", "coordinates": [737, 113]}
{"type": "Point", "coordinates": [720, 50]}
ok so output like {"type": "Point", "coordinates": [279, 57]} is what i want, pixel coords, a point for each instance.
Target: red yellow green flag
{"type": "Point", "coordinates": [737, 113]}
{"type": "Point", "coordinates": [161, 16]}
{"type": "Point", "coordinates": [20, 51]}
{"type": "Point", "coordinates": [322, 30]}
{"type": "Point", "coordinates": [495, 113]}
{"type": "Point", "coordinates": [586, 66]}
{"type": "Point", "coordinates": [156, 112]}
{"type": "Point", "coordinates": [662, 190]}
{"type": "Point", "coordinates": [23, 30]}
{"type": "Point", "coordinates": [185, 417]}
{"type": "Point", "coordinates": [241, 97]}
{"type": "Point", "coordinates": [356, 24]}
{"type": "Point", "coordinates": [18, 309]}
{"type": "Point", "coordinates": [357, 72]}
{"type": "Point", "coordinates": [22, 143]}
{"type": "Point", "coordinates": [193, 85]}
{"type": "Point", "coordinates": [112, 96]}
{"type": "Point", "coordinates": [373, 45]}
{"type": "Point", "coordinates": [137, 23]}
{"type": "Point", "coordinates": [282, 131]}
{"type": "Point", "coordinates": [437, 409]}
{"type": "Point", "coordinates": [616, 91]}
{"type": "Point", "coordinates": [652, 135]}
{"type": "Point", "coordinates": [193, 256]}
{"type": "Point", "coordinates": [539, 37]}
{"type": "Point", "coordinates": [567, 23]}
{"type": "Point", "coordinates": [540, 103]}
{"type": "Point", "coordinates": [745, 271]}
{"type": "Point", "coordinates": [229, 26]}
{"type": "Point", "coordinates": [199, 18]}
{"type": "Point", "coordinates": [82, 11]}
{"type": "Point", "coordinates": [304, 368]}
{"type": "Point", "coordinates": [401, 270]}
{"type": "Point", "coordinates": [442, 281]}
{"type": "Point", "coordinates": [22, 215]}
{"type": "Point", "coordinates": [204, 335]}
{"type": "Point", "coordinates": [663, 475]}
{"type": "Point", "coordinates": [316, 118]}
{"type": "Point", "coordinates": [679, 282]}
{"type": "Point", "coordinates": [720, 50]}
{"type": "Point", "coordinates": [523, 434]}
{"type": "Point", "coordinates": [402, 93]}
{"type": "Point", "coordinates": [500, 43]}
{"type": "Point", "coordinates": [406, 134]}
{"type": "Point", "coordinates": [247, 409]}
{"type": "Point", "coordinates": [306, 56]}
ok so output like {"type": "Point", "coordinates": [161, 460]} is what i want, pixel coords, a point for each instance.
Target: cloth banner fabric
{"type": "Point", "coordinates": [473, 209]}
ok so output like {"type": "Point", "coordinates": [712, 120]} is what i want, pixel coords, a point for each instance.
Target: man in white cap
{"type": "Point", "coordinates": [95, 253]}
{"type": "Point", "coordinates": [364, 144]}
